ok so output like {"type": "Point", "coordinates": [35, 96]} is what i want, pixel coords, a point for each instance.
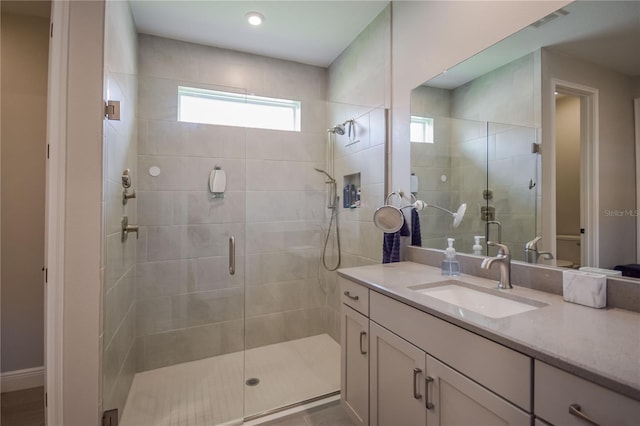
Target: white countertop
{"type": "Point", "coordinates": [600, 345]}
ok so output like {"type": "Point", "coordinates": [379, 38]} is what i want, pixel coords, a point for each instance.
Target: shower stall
{"type": "Point", "coordinates": [231, 317]}
{"type": "Point", "coordinates": [218, 308]}
{"type": "Point", "coordinates": [491, 167]}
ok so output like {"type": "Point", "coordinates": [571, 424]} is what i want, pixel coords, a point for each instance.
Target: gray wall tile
{"type": "Point", "coordinates": [207, 307]}
{"type": "Point", "coordinates": [184, 345]}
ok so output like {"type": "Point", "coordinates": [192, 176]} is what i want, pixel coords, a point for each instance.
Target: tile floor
{"type": "Point", "coordinates": [312, 367]}
{"type": "Point", "coordinates": [25, 408]}
{"type": "Point", "coordinates": [211, 391]}
{"type": "Point", "coordinates": [330, 414]}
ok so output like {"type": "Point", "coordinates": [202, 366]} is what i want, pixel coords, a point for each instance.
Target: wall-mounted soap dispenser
{"type": "Point", "coordinates": [217, 182]}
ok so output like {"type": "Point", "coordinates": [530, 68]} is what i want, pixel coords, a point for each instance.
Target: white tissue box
{"type": "Point", "coordinates": [585, 288]}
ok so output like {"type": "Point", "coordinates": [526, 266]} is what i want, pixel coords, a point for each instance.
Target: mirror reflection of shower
{"type": "Point", "coordinates": [337, 129]}
{"type": "Point", "coordinates": [341, 129]}
{"type": "Point", "coordinates": [333, 221]}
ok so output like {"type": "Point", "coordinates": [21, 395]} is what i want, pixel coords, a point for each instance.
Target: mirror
{"type": "Point", "coordinates": [486, 133]}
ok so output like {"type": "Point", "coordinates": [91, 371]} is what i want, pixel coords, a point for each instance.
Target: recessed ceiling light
{"type": "Point", "coordinates": [255, 18]}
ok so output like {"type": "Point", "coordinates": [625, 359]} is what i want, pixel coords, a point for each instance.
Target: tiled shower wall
{"type": "Point", "coordinates": [450, 171]}
{"type": "Point", "coordinates": [358, 87]}
{"type": "Point", "coordinates": [188, 306]}
{"type": "Point", "coordinates": [514, 180]}
{"type": "Point", "coordinates": [119, 153]}
{"type": "Point", "coordinates": [431, 161]}
{"type": "Point", "coordinates": [510, 95]}
{"type": "Point", "coordinates": [468, 180]}
{"type": "Point", "coordinates": [477, 148]}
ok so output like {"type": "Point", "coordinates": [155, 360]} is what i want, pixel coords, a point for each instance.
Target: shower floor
{"type": "Point", "coordinates": [210, 391]}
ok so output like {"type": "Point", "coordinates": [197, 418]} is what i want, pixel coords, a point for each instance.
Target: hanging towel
{"type": "Point", "coordinates": [391, 244]}
{"type": "Point", "coordinates": [416, 235]}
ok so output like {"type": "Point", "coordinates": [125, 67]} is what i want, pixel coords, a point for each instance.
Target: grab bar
{"type": "Point", "coordinates": [232, 256]}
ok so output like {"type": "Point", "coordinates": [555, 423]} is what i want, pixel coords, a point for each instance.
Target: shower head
{"type": "Point", "coordinates": [337, 129]}
{"type": "Point", "coordinates": [329, 177]}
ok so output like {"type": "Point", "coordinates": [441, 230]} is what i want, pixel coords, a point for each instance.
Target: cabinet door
{"type": "Point", "coordinates": [454, 399]}
{"type": "Point", "coordinates": [354, 378]}
{"type": "Point", "coordinates": [397, 372]}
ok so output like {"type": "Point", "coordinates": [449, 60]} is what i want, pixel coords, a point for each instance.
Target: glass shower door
{"type": "Point", "coordinates": [512, 176]}
{"type": "Point", "coordinates": [189, 310]}
{"type": "Point", "coordinates": [448, 172]}
{"type": "Point", "coordinates": [286, 339]}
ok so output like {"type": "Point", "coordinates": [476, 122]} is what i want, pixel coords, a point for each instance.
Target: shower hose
{"type": "Point", "coordinates": [332, 222]}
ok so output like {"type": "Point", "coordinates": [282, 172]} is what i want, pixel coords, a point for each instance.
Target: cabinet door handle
{"type": "Point", "coordinates": [429, 404]}
{"type": "Point", "coordinates": [362, 334]}
{"type": "Point", "coordinates": [346, 293]}
{"type": "Point", "coordinates": [416, 392]}
{"type": "Point", "coordinates": [574, 410]}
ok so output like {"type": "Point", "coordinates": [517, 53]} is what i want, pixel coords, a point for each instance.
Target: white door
{"type": "Point", "coordinates": [636, 104]}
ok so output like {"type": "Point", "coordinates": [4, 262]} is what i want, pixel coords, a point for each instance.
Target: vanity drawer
{"type": "Point", "coordinates": [556, 391]}
{"type": "Point", "coordinates": [354, 295]}
{"type": "Point", "coordinates": [496, 367]}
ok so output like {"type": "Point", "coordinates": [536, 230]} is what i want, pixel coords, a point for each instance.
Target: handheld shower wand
{"type": "Point", "coordinates": [333, 194]}
{"type": "Point", "coordinates": [329, 177]}
{"type": "Point", "coordinates": [333, 221]}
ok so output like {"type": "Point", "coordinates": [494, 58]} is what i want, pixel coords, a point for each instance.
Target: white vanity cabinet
{"type": "Point", "coordinates": [564, 399]}
{"type": "Point", "coordinates": [456, 400]}
{"type": "Point", "coordinates": [501, 370]}
{"type": "Point", "coordinates": [397, 373]}
{"type": "Point", "coordinates": [354, 341]}
{"type": "Point", "coordinates": [407, 385]}
{"type": "Point", "coordinates": [421, 370]}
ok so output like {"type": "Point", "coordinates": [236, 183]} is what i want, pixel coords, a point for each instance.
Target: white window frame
{"type": "Point", "coordinates": [251, 101]}
{"type": "Point", "coordinates": [426, 126]}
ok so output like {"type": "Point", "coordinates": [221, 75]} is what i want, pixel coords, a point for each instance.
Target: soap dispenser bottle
{"type": "Point", "coordinates": [477, 248]}
{"type": "Point", "coordinates": [450, 265]}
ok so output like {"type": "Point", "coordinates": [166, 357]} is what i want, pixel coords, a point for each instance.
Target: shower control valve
{"type": "Point", "coordinates": [126, 196]}
{"type": "Point", "coordinates": [126, 229]}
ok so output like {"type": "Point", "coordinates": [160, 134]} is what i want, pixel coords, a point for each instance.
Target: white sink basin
{"type": "Point", "coordinates": [482, 301]}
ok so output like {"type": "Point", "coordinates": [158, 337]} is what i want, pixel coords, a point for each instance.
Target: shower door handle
{"type": "Point", "coordinates": [232, 256]}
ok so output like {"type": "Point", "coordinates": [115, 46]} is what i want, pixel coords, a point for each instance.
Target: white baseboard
{"type": "Point", "coordinates": [22, 379]}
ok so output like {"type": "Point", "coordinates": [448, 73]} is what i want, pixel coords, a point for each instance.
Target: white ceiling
{"type": "Point", "coordinates": [310, 32]}
{"type": "Point", "coordinates": [602, 32]}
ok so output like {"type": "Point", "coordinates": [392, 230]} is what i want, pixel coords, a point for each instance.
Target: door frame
{"type": "Point", "coordinates": [55, 195]}
{"type": "Point", "coordinates": [589, 170]}
{"type": "Point", "coordinates": [636, 105]}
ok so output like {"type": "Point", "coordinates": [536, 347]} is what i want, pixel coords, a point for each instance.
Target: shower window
{"type": "Point", "coordinates": [232, 109]}
{"type": "Point", "coordinates": [421, 129]}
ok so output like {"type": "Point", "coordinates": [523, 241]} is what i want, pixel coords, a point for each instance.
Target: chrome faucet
{"type": "Point", "coordinates": [531, 253]}
{"type": "Point", "coordinates": [504, 262]}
